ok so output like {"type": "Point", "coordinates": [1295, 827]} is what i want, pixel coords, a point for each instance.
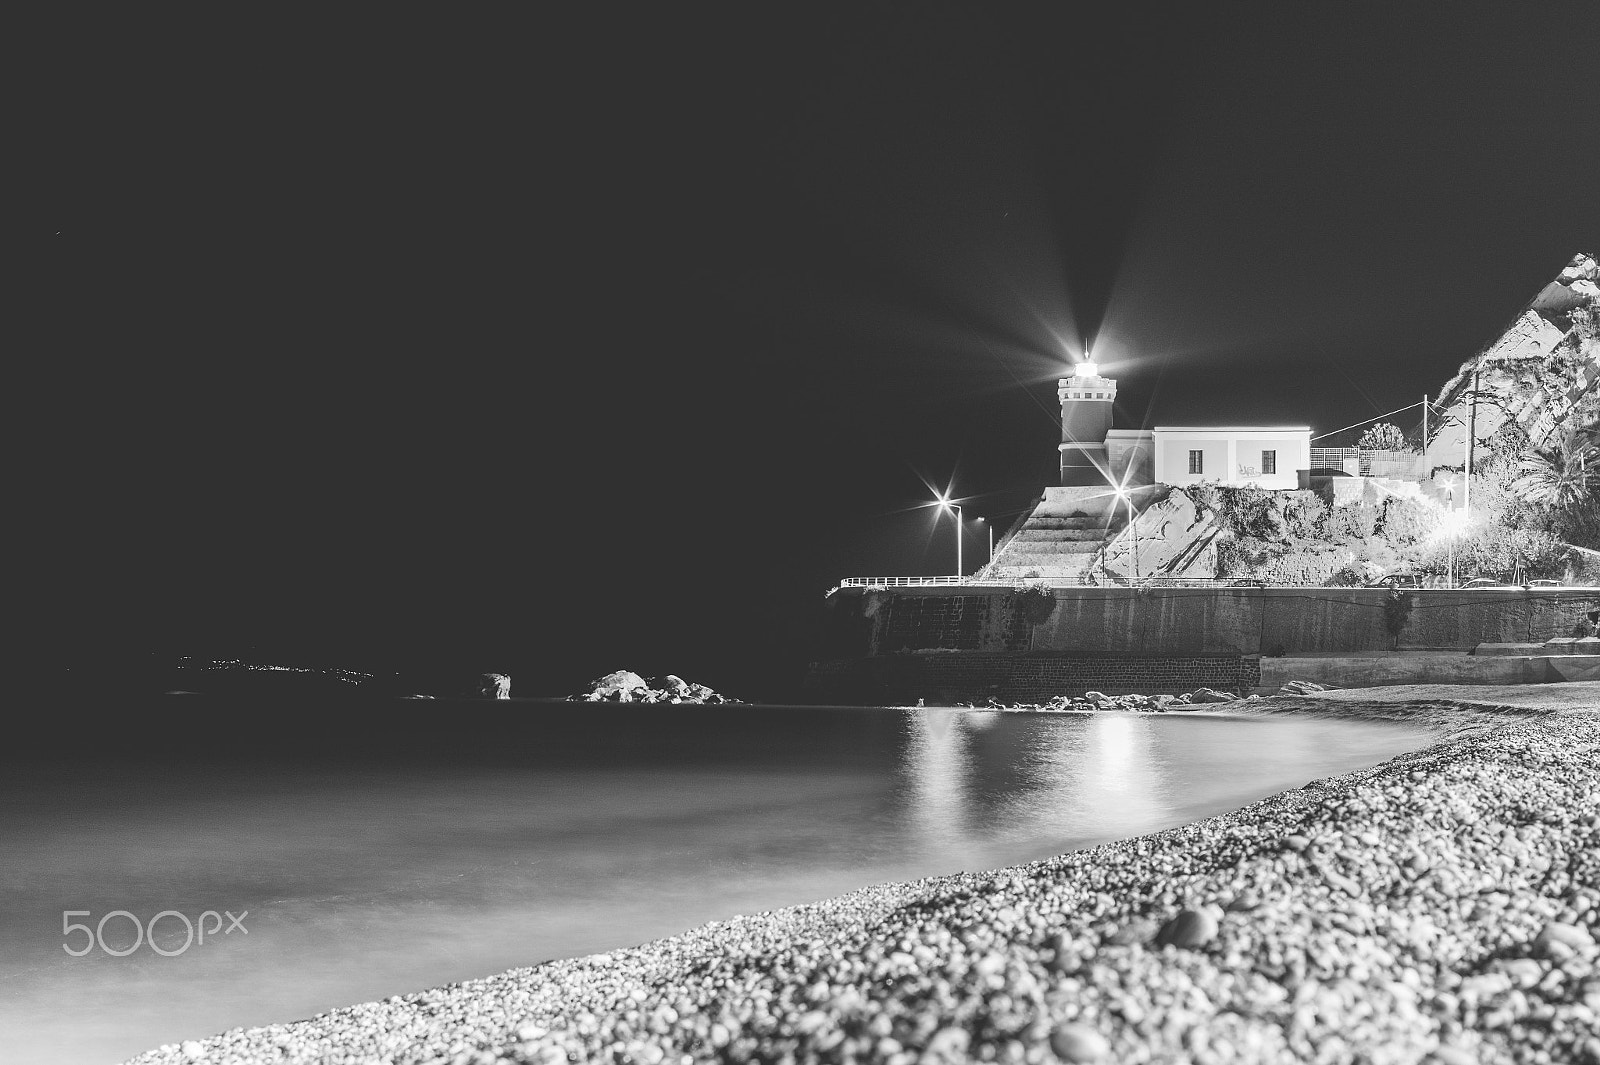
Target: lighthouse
{"type": "Point", "coordinates": [1086, 400]}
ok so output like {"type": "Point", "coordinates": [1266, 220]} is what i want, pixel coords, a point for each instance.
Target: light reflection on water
{"type": "Point", "coordinates": [601, 828]}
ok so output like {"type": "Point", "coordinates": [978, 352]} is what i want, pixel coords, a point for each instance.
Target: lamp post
{"type": "Point", "coordinates": [1455, 522]}
{"type": "Point", "coordinates": [944, 501]}
{"type": "Point", "coordinates": [1122, 494]}
{"type": "Point", "coordinates": [986, 524]}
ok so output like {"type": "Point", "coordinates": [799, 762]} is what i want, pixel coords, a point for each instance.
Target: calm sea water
{"type": "Point", "coordinates": [380, 851]}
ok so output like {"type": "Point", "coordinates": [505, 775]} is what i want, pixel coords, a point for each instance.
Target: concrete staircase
{"type": "Point", "coordinates": [1059, 538]}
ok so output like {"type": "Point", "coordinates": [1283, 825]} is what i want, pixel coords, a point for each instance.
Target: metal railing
{"type": "Point", "coordinates": [1084, 581]}
{"type": "Point", "coordinates": [898, 582]}
{"type": "Point", "coordinates": [1360, 462]}
{"type": "Point", "coordinates": [1165, 582]}
{"type": "Point", "coordinates": [1108, 581]}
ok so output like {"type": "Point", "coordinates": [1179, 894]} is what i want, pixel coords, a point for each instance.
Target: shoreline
{"type": "Point", "coordinates": [1441, 906]}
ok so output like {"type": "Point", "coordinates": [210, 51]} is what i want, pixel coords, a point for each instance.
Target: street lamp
{"type": "Point", "coordinates": [1455, 521]}
{"type": "Point", "coordinates": [1122, 496]}
{"type": "Point", "coordinates": [944, 502]}
{"type": "Point", "coordinates": [985, 523]}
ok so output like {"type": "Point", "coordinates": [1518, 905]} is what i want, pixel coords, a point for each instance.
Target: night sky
{"type": "Point", "coordinates": [580, 342]}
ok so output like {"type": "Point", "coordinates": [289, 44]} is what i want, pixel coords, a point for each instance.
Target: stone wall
{"type": "Point", "coordinates": [1190, 621]}
{"type": "Point", "coordinates": [1012, 678]}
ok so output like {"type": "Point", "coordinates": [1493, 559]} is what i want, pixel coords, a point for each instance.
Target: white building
{"type": "Point", "coordinates": [1094, 455]}
{"type": "Point", "coordinates": [1267, 457]}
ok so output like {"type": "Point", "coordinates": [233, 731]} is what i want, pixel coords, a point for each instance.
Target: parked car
{"type": "Point", "coordinates": [1487, 582]}
{"type": "Point", "coordinates": [1396, 580]}
{"type": "Point", "coordinates": [1544, 582]}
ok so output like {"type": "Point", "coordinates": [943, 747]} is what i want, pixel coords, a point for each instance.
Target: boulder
{"type": "Point", "coordinates": [619, 685]}
{"type": "Point", "coordinates": [625, 687]}
{"type": "Point", "coordinates": [493, 686]}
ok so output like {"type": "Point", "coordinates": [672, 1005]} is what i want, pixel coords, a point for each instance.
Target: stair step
{"type": "Point", "coordinates": [1058, 536]}
{"type": "Point", "coordinates": [1054, 547]}
{"type": "Point", "coordinates": [1087, 521]}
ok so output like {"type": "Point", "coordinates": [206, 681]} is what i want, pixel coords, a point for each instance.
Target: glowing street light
{"type": "Point", "coordinates": [945, 504]}
{"type": "Point", "coordinates": [1124, 497]}
{"type": "Point", "coordinates": [1451, 526]}
{"type": "Point", "coordinates": [990, 527]}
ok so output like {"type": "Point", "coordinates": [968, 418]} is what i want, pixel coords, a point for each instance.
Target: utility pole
{"type": "Point", "coordinates": [1425, 434]}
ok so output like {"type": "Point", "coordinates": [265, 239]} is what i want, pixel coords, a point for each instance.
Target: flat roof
{"type": "Point", "coordinates": [1232, 429]}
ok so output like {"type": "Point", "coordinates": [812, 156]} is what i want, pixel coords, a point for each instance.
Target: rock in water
{"type": "Point", "coordinates": [625, 687]}
{"type": "Point", "coordinates": [1191, 928]}
{"type": "Point", "coordinates": [493, 686]}
{"type": "Point", "coordinates": [614, 685]}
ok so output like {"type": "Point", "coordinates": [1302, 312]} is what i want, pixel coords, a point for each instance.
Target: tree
{"type": "Point", "coordinates": [1563, 481]}
{"type": "Point", "coordinates": [1382, 437]}
{"type": "Point", "coordinates": [1565, 477]}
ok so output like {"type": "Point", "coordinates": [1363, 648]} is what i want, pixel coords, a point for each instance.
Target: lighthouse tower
{"type": "Point", "coordinates": [1086, 400]}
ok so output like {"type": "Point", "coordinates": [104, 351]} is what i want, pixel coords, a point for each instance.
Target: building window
{"type": "Point", "coordinates": [1269, 462]}
{"type": "Point", "coordinates": [1197, 462]}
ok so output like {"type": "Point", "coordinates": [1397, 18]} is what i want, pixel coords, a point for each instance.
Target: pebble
{"type": "Point", "coordinates": [1568, 935]}
{"type": "Point", "coordinates": [1445, 1055]}
{"type": "Point", "coordinates": [1190, 928]}
{"type": "Point", "coordinates": [1489, 955]}
{"type": "Point", "coordinates": [1078, 1043]}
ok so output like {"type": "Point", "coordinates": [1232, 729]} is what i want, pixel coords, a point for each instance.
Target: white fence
{"type": "Point", "coordinates": [1359, 462]}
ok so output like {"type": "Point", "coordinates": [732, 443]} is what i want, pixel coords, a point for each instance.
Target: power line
{"type": "Point", "coordinates": [1336, 432]}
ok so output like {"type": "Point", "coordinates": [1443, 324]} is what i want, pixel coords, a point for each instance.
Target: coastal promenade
{"type": "Point", "coordinates": [1442, 907]}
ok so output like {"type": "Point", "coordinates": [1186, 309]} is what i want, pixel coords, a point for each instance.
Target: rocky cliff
{"type": "Point", "coordinates": [1542, 375]}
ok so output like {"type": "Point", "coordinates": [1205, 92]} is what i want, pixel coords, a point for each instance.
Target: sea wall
{"type": "Point", "coordinates": [1196, 621]}
{"type": "Point", "coordinates": [899, 645]}
{"type": "Point", "coordinates": [1417, 668]}
{"type": "Point", "coordinates": [1030, 677]}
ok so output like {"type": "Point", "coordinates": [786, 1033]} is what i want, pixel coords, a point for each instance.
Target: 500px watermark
{"type": "Point", "coordinates": [146, 933]}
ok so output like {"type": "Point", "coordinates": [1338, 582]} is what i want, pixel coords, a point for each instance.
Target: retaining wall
{"type": "Point", "coordinates": [1011, 678]}
{"type": "Point", "coordinates": [902, 644]}
{"type": "Point", "coordinates": [1188, 621]}
{"type": "Point", "coordinates": [1421, 668]}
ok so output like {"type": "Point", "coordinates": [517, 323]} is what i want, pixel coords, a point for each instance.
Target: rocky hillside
{"type": "Point", "coordinates": [1289, 537]}
{"type": "Point", "coordinates": [1540, 378]}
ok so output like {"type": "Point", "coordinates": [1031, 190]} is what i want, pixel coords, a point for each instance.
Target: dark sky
{"type": "Point", "coordinates": [590, 341]}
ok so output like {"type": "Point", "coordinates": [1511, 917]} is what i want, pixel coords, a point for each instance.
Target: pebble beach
{"type": "Point", "coordinates": [1443, 907]}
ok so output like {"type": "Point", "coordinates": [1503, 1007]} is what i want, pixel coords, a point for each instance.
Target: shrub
{"type": "Point", "coordinates": [1207, 498]}
{"type": "Point", "coordinates": [1383, 437]}
{"type": "Point", "coordinates": [1356, 522]}
{"type": "Point", "coordinates": [1241, 557]}
{"type": "Point", "coordinates": [1305, 515]}
{"type": "Point", "coordinates": [1355, 573]}
{"type": "Point", "coordinates": [1035, 603]}
{"type": "Point", "coordinates": [1396, 612]}
{"type": "Point", "coordinates": [1251, 511]}
{"type": "Point", "coordinates": [1405, 521]}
